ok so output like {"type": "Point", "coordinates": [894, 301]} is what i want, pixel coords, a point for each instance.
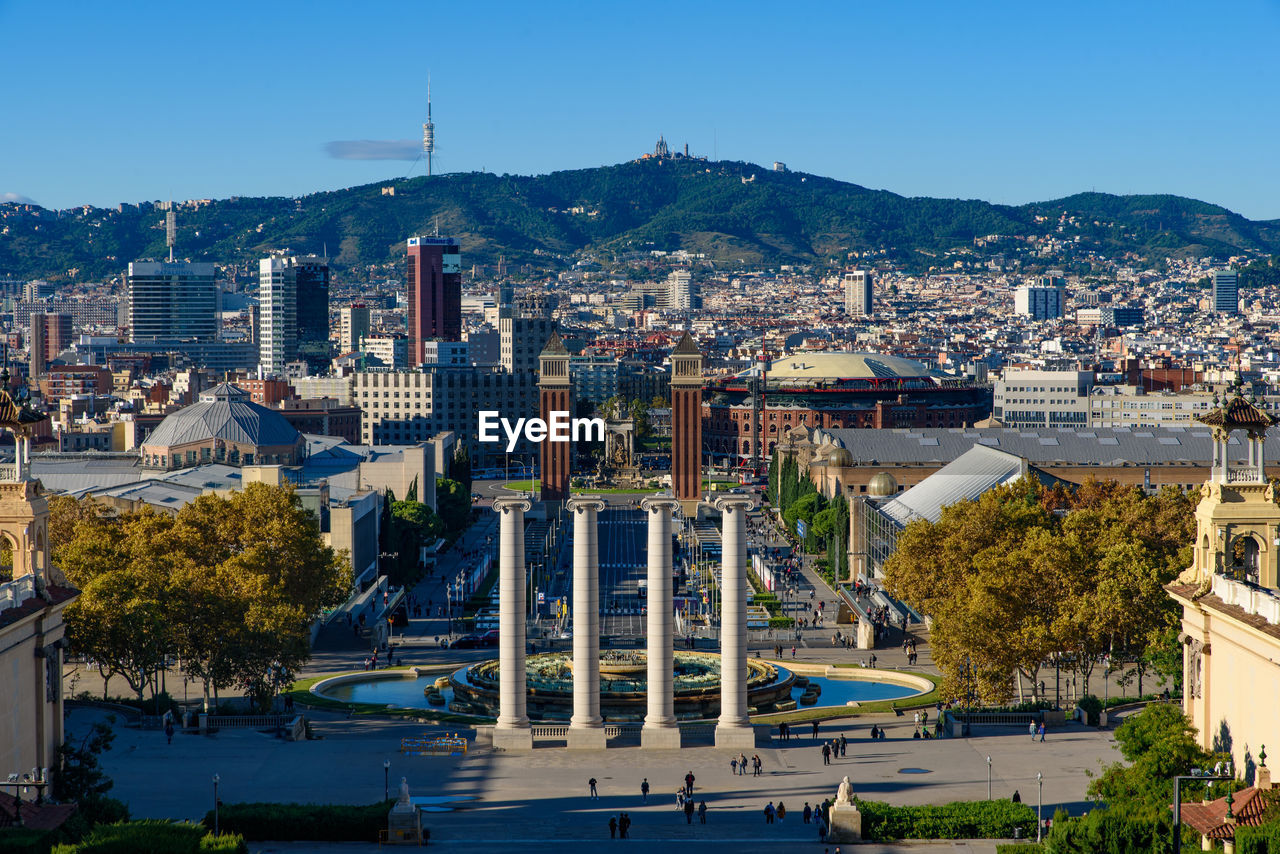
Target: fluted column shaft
{"type": "Point", "coordinates": [733, 614]}
{"type": "Point", "coordinates": [511, 614]}
{"type": "Point", "coordinates": [586, 615]}
{"type": "Point", "coordinates": [661, 705]}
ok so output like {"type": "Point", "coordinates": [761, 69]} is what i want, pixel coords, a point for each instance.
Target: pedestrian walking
{"type": "Point", "coordinates": [759, 765]}
{"type": "Point", "coordinates": [168, 730]}
{"type": "Point", "coordinates": [1042, 731]}
{"type": "Point", "coordinates": [702, 811]}
{"type": "Point", "coordinates": [592, 785]}
{"type": "Point", "coordinates": [917, 723]}
{"type": "Point", "coordinates": [782, 811]}
{"type": "Point", "coordinates": [624, 826]}
{"type": "Point", "coordinates": [844, 742]}
{"type": "Point", "coordinates": [688, 811]}
{"type": "Point", "coordinates": [815, 729]}
{"type": "Point", "coordinates": [769, 813]}
{"type": "Point", "coordinates": [807, 815]}
{"type": "Point", "coordinates": [1031, 728]}
{"type": "Point", "coordinates": [680, 798]}
{"type": "Point", "coordinates": [793, 650]}
{"type": "Point", "coordinates": [644, 790]}
{"type": "Point", "coordinates": [688, 784]}
{"type": "Point", "coordinates": [613, 827]}
{"type": "Point", "coordinates": [826, 753]}
{"type": "Point", "coordinates": [822, 829]}
{"type": "Point", "coordinates": [742, 764]}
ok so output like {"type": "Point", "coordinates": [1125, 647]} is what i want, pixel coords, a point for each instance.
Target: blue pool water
{"type": "Point", "coordinates": [408, 692]}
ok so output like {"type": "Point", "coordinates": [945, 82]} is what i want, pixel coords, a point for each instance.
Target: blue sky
{"type": "Point", "coordinates": [1011, 102]}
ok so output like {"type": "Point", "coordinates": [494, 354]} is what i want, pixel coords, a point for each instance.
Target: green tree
{"type": "Point", "coordinates": [461, 468]}
{"type": "Point", "coordinates": [453, 503]}
{"type": "Point", "coordinates": [1159, 744]}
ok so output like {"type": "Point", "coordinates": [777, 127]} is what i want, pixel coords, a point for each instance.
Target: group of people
{"type": "Point", "coordinates": [619, 826]}
{"type": "Point", "coordinates": [909, 647]}
{"type": "Point", "coordinates": [738, 765]}
{"type": "Point", "coordinates": [922, 725]}
{"type": "Point", "coordinates": [835, 747]}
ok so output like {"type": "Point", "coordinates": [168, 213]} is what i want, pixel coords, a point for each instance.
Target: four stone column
{"type": "Point", "coordinates": [512, 729]}
{"type": "Point", "coordinates": [586, 730]}
{"type": "Point", "coordinates": [660, 730]}
{"type": "Point", "coordinates": [586, 727]}
{"type": "Point", "coordinates": [734, 729]}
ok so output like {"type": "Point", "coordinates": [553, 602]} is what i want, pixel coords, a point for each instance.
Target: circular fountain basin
{"type": "Point", "coordinates": [549, 679]}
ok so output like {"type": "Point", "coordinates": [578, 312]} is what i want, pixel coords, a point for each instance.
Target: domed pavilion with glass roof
{"type": "Point", "coordinates": [223, 427]}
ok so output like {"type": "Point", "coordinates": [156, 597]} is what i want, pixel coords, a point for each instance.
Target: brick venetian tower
{"type": "Point", "coordinates": [686, 423]}
{"type": "Point", "coordinates": [554, 396]}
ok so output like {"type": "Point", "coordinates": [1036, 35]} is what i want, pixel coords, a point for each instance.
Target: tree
{"type": "Point", "coordinates": [256, 573]}
{"type": "Point", "coordinates": [121, 566]}
{"type": "Point", "coordinates": [78, 776]}
{"type": "Point", "coordinates": [413, 525]}
{"type": "Point", "coordinates": [1024, 572]}
{"type": "Point", "coordinates": [461, 468]}
{"type": "Point", "coordinates": [453, 503]}
{"type": "Point", "coordinates": [1159, 743]}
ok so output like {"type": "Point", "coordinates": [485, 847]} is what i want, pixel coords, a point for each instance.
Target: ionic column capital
{"type": "Point", "coordinates": [581, 503]}
{"type": "Point", "coordinates": [657, 503]}
{"type": "Point", "coordinates": [734, 502]}
{"type": "Point", "coordinates": [507, 503]}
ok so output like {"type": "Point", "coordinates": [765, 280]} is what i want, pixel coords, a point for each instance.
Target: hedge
{"type": "Point", "coordinates": [311, 822]}
{"type": "Point", "coordinates": [1020, 848]}
{"type": "Point", "coordinates": [959, 820]}
{"type": "Point", "coordinates": [1107, 830]}
{"type": "Point", "coordinates": [24, 840]}
{"type": "Point", "coordinates": [154, 837]}
{"type": "Point", "coordinates": [1264, 839]}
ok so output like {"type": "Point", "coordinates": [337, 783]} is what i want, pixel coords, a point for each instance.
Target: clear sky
{"type": "Point", "coordinates": [1006, 101]}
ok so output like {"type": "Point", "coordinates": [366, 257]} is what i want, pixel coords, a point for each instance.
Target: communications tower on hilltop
{"type": "Point", "coordinates": [429, 131]}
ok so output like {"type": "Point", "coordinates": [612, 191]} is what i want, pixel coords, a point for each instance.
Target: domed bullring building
{"type": "Point", "coordinates": [223, 427]}
{"type": "Point", "coordinates": [831, 391]}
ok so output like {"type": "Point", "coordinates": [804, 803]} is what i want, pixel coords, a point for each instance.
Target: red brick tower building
{"type": "Point", "coordinates": [554, 395]}
{"type": "Point", "coordinates": [686, 422]}
{"type": "Point", "coordinates": [434, 288]}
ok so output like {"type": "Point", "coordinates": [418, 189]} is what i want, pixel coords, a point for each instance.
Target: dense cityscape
{"type": "Point", "coordinates": [564, 499]}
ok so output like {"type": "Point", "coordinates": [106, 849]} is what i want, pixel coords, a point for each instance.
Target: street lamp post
{"type": "Point", "coordinates": [1039, 807]}
{"type": "Point", "coordinates": [1199, 776]}
{"type": "Point", "coordinates": [216, 781]}
{"type": "Point", "coordinates": [386, 779]}
{"type": "Point", "coordinates": [988, 778]}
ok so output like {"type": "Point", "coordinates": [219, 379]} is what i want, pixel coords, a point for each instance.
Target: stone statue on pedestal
{"type": "Point", "coordinates": [403, 802]}
{"type": "Point", "coordinates": [844, 794]}
{"type": "Point", "coordinates": [845, 818]}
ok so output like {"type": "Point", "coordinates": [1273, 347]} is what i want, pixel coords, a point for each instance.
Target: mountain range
{"type": "Point", "coordinates": [734, 213]}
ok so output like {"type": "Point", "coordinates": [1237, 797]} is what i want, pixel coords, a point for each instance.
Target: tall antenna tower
{"type": "Point", "coordinates": [429, 131]}
{"type": "Point", "coordinates": [170, 231]}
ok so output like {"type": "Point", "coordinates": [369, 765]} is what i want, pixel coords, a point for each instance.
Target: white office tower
{"type": "Point", "coordinates": [1040, 302]}
{"type": "Point", "coordinates": [353, 323]}
{"type": "Point", "coordinates": [859, 290]}
{"type": "Point", "coordinates": [293, 311]}
{"type": "Point", "coordinates": [680, 290]}
{"type": "Point", "coordinates": [171, 301]}
{"type": "Point", "coordinates": [1226, 292]}
{"type": "Point", "coordinates": [277, 315]}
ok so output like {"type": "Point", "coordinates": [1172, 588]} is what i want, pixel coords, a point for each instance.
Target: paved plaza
{"type": "Point", "coordinates": [494, 801]}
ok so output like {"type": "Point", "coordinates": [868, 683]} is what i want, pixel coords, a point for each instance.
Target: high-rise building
{"type": "Point", "coordinates": [434, 284]}
{"type": "Point", "coordinates": [172, 301]}
{"type": "Point", "coordinates": [859, 291]}
{"type": "Point", "coordinates": [37, 350]}
{"type": "Point", "coordinates": [353, 324]}
{"type": "Point", "coordinates": [680, 290]}
{"type": "Point", "coordinates": [50, 335]}
{"type": "Point", "coordinates": [293, 311]}
{"type": "Point", "coordinates": [1040, 302]}
{"type": "Point", "coordinates": [1226, 292]}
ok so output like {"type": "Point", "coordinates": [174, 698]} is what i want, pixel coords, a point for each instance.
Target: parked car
{"type": "Point", "coordinates": [489, 638]}
{"type": "Point", "coordinates": [466, 642]}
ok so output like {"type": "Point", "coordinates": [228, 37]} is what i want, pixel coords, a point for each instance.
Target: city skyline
{"type": "Point", "coordinates": [1004, 103]}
